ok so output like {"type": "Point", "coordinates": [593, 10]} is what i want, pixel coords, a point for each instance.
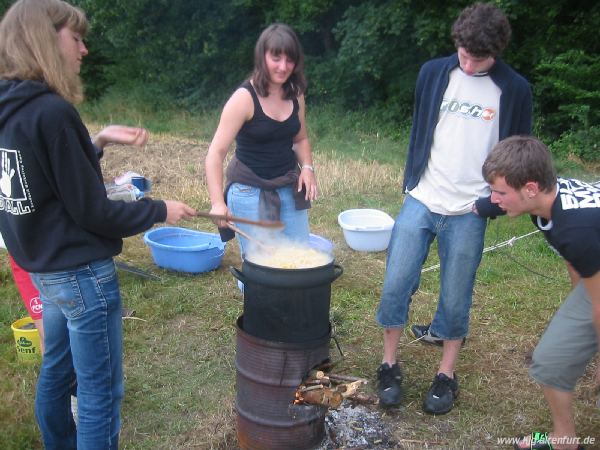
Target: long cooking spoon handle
{"type": "Point", "coordinates": [228, 218]}
{"type": "Point", "coordinates": [242, 233]}
{"type": "Point", "coordinates": [250, 238]}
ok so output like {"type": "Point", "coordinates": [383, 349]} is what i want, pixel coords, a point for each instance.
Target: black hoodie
{"type": "Point", "coordinates": [54, 213]}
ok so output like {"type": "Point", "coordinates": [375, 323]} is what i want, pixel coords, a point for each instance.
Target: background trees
{"type": "Point", "coordinates": [360, 54]}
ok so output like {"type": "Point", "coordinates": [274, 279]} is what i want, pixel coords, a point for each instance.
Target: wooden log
{"type": "Point", "coordinates": [317, 374]}
{"type": "Point", "coordinates": [338, 377]}
{"type": "Point", "coordinates": [326, 397]}
{"type": "Point", "coordinates": [364, 399]}
{"type": "Point", "coordinates": [349, 389]}
{"type": "Point", "coordinates": [324, 381]}
{"type": "Point", "coordinates": [310, 388]}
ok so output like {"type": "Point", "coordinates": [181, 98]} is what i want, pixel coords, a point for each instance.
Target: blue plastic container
{"type": "Point", "coordinates": [185, 250]}
{"type": "Point", "coordinates": [320, 243]}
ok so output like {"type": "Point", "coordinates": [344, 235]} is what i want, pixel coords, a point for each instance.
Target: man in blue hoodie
{"type": "Point", "coordinates": [464, 104]}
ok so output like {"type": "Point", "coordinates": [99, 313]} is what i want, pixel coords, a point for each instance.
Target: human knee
{"type": "Point", "coordinates": [549, 371]}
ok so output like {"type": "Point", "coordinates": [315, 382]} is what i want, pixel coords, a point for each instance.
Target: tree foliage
{"type": "Point", "coordinates": [360, 53]}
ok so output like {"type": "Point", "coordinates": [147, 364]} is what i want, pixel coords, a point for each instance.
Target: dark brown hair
{"type": "Point", "coordinates": [482, 29]}
{"type": "Point", "coordinates": [279, 38]}
{"type": "Point", "coordinates": [520, 159]}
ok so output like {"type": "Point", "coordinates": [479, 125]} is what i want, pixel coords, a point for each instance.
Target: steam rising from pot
{"type": "Point", "coordinates": [282, 253]}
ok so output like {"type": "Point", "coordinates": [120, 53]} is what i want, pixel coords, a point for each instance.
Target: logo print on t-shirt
{"type": "Point", "coordinates": [468, 110]}
{"type": "Point", "coordinates": [575, 194]}
{"type": "Point", "coordinates": [14, 191]}
{"type": "Point", "coordinates": [488, 114]}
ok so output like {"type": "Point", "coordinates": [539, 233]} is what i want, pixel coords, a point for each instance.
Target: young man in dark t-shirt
{"type": "Point", "coordinates": [567, 211]}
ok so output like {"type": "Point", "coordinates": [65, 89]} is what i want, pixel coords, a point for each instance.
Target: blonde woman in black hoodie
{"type": "Point", "coordinates": [58, 224]}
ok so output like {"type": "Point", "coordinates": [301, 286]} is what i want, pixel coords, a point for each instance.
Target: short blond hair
{"type": "Point", "coordinates": [29, 44]}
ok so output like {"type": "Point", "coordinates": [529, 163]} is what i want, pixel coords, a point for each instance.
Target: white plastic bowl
{"type": "Point", "coordinates": [366, 230]}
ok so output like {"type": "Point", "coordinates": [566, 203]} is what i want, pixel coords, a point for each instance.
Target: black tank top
{"type": "Point", "coordinates": [265, 144]}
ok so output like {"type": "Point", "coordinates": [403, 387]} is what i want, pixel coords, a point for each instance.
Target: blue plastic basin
{"type": "Point", "coordinates": [185, 250]}
{"type": "Point", "coordinates": [320, 243]}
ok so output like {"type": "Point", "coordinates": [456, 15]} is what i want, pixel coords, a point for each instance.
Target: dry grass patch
{"type": "Point", "coordinates": [179, 362]}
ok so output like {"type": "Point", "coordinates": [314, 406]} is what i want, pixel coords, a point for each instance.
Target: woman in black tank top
{"type": "Point", "coordinates": [265, 116]}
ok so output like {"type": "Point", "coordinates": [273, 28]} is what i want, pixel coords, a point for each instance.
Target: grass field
{"type": "Point", "coordinates": [179, 360]}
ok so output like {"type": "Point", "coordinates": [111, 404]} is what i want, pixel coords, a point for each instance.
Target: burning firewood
{"type": "Point", "coordinates": [326, 396]}
{"type": "Point", "coordinates": [349, 389]}
{"type": "Point", "coordinates": [329, 389]}
{"type": "Point", "coordinates": [310, 388]}
{"type": "Point", "coordinates": [325, 381]}
{"type": "Point", "coordinates": [364, 399]}
{"type": "Point", "coordinates": [339, 377]}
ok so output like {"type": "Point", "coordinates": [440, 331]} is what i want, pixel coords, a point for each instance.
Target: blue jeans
{"type": "Point", "coordinates": [242, 201]}
{"type": "Point", "coordinates": [460, 245]}
{"type": "Point", "coordinates": [83, 342]}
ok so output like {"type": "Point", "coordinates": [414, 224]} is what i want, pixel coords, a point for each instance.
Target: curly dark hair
{"type": "Point", "coordinates": [482, 30]}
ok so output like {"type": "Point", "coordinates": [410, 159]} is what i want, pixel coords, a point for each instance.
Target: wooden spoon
{"type": "Point", "coordinates": [229, 218]}
{"type": "Point", "coordinates": [251, 238]}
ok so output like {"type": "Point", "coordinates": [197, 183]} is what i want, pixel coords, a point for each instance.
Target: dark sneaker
{"type": "Point", "coordinates": [127, 312]}
{"type": "Point", "coordinates": [441, 395]}
{"type": "Point", "coordinates": [389, 380]}
{"type": "Point", "coordinates": [422, 333]}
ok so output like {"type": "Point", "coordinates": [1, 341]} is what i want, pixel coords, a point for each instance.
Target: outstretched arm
{"type": "Point", "coordinates": [177, 211]}
{"type": "Point", "coordinates": [120, 134]}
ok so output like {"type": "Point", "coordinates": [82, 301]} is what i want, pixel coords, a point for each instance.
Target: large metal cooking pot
{"type": "Point", "coordinates": [287, 305]}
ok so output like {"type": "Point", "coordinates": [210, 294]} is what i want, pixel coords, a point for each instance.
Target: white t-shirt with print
{"type": "Point", "coordinates": [467, 130]}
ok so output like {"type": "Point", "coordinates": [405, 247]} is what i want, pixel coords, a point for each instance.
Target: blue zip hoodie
{"type": "Point", "coordinates": [515, 109]}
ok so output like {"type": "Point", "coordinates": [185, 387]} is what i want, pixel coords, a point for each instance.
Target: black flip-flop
{"type": "Point", "coordinates": [539, 441]}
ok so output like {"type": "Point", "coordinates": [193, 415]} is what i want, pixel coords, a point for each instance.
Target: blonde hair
{"type": "Point", "coordinates": [29, 44]}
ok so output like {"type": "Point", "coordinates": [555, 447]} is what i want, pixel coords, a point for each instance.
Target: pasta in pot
{"type": "Point", "coordinates": [291, 257]}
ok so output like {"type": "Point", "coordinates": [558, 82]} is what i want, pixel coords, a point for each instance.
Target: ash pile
{"type": "Point", "coordinates": [353, 421]}
{"type": "Point", "coordinates": [354, 427]}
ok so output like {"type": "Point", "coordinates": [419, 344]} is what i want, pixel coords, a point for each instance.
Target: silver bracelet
{"type": "Point", "coordinates": [307, 166]}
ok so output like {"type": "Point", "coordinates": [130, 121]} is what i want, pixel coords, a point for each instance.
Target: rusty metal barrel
{"type": "Point", "coordinates": [267, 376]}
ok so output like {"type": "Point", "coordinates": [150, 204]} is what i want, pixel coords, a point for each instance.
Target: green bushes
{"type": "Point", "coordinates": [361, 54]}
{"type": "Point", "coordinates": [582, 144]}
{"type": "Point", "coordinates": [567, 89]}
